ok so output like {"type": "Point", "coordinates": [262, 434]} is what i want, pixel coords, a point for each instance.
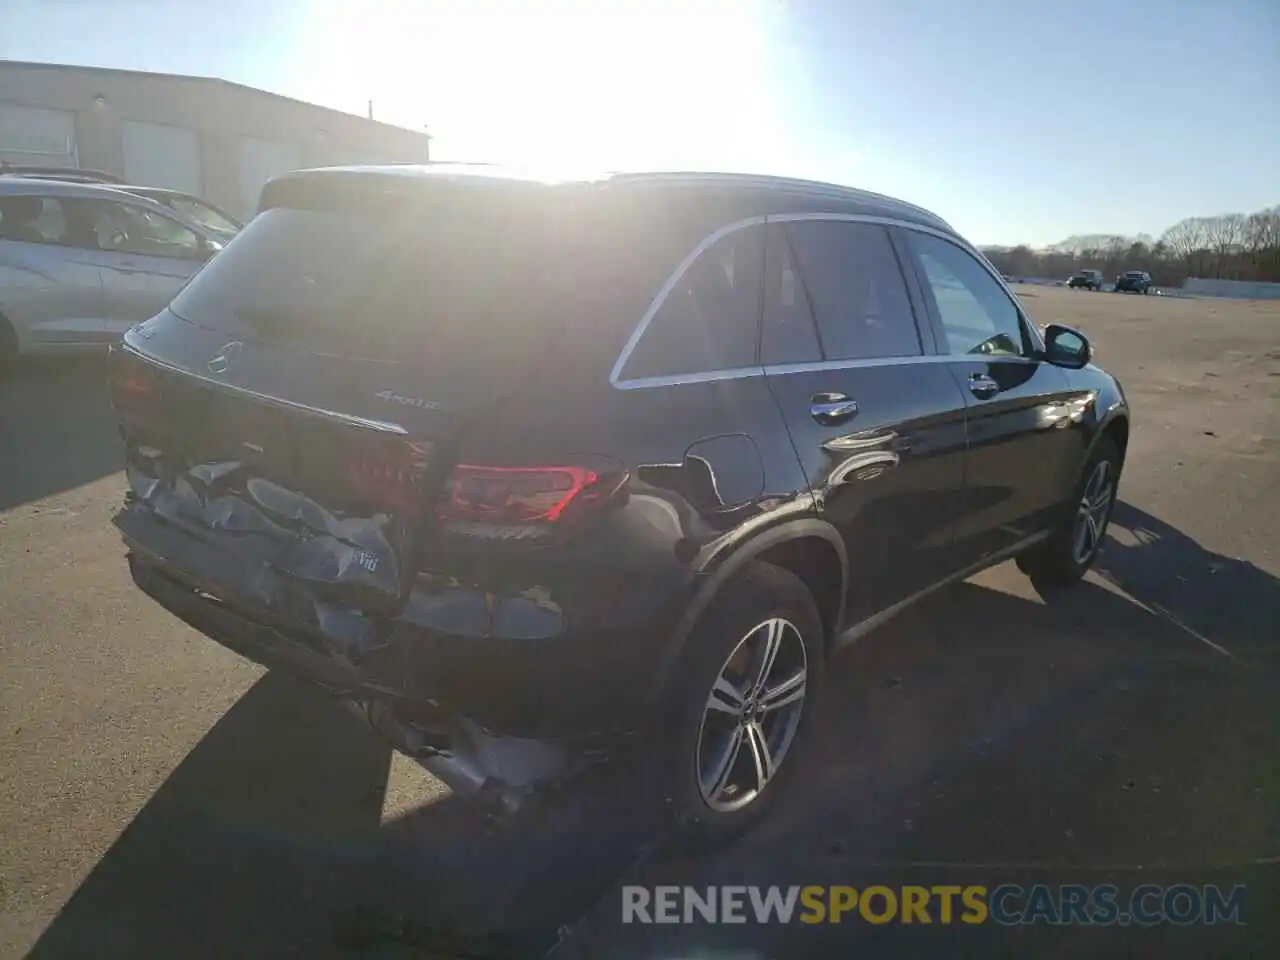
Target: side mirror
{"type": "Point", "coordinates": [1066, 347]}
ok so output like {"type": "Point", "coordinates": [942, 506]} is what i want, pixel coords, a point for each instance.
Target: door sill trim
{"type": "Point", "coordinates": [852, 634]}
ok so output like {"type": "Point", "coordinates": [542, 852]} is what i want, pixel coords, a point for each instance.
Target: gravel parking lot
{"type": "Point", "coordinates": [161, 797]}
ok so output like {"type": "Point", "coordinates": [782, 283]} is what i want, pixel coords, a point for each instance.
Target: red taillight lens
{"type": "Point", "coordinates": [525, 496]}
{"type": "Point", "coordinates": [132, 381]}
{"type": "Point", "coordinates": [391, 475]}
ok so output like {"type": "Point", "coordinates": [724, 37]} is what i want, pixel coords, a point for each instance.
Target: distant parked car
{"type": "Point", "coordinates": [191, 208]}
{"type": "Point", "coordinates": [81, 263]}
{"type": "Point", "coordinates": [1088, 279]}
{"type": "Point", "coordinates": [1135, 281]}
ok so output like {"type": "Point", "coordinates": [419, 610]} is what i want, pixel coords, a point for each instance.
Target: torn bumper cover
{"type": "Point", "coordinates": [274, 576]}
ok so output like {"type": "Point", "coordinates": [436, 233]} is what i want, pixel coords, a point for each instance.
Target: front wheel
{"type": "Point", "coordinates": [1072, 548]}
{"type": "Point", "coordinates": [743, 703]}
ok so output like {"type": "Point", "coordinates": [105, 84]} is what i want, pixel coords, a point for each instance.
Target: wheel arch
{"type": "Point", "coordinates": [810, 548]}
{"type": "Point", "coordinates": [1114, 427]}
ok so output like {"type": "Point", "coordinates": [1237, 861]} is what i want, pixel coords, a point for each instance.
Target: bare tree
{"type": "Point", "coordinates": [1185, 240]}
{"type": "Point", "coordinates": [1262, 239]}
{"type": "Point", "coordinates": [1223, 236]}
{"type": "Point", "coordinates": [1262, 230]}
{"type": "Point", "coordinates": [1229, 245]}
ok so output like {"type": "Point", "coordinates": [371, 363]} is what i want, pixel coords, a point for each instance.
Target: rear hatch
{"type": "Point", "coordinates": [301, 403]}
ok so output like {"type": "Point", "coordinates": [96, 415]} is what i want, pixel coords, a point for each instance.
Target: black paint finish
{"type": "Point", "coordinates": [251, 515]}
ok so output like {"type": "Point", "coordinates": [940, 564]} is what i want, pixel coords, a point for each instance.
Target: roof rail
{"type": "Point", "coordinates": [794, 183]}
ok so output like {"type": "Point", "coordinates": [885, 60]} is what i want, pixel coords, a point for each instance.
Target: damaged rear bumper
{"type": "Point", "coordinates": [493, 718]}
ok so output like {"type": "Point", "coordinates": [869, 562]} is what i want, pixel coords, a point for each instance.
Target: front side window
{"type": "Point", "coordinates": [709, 319]}
{"type": "Point", "coordinates": [124, 228]}
{"type": "Point", "coordinates": [976, 314]}
{"type": "Point", "coordinates": [855, 289]}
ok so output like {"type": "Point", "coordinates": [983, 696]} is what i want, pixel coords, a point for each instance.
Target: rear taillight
{"type": "Point", "coordinates": [390, 474]}
{"type": "Point", "coordinates": [133, 382]}
{"type": "Point", "coordinates": [530, 499]}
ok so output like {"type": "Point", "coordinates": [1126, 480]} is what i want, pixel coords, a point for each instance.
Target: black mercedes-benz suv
{"type": "Point", "coordinates": [532, 472]}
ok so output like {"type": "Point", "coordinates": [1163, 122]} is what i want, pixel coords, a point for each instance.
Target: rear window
{"type": "Point", "coordinates": [463, 275]}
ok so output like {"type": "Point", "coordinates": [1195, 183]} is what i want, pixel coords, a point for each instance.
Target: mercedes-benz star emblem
{"type": "Point", "coordinates": [221, 361]}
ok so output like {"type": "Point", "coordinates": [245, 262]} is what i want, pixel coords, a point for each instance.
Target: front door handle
{"type": "Point", "coordinates": [982, 386]}
{"type": "Point", "coordinates": [832, 409]}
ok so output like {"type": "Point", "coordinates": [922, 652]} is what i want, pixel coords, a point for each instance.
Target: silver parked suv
{"type": "Point", "coordinates": [80, 264]}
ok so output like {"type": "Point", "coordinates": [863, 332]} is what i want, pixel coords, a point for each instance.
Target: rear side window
{"type": "Point", "coordinates": [787, 330]}
{"type": "Point", "coordinates": [32, 219]}
{"type": "Point", "coordinates": [709, 319]}
{"type": "Point", "coordinates": [855, 289]}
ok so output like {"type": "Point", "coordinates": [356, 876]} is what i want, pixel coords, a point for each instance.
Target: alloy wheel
{"type": "Point", "coordinates": [1092, 514]}
{"type": "Point", "coordinates": [751, 715]}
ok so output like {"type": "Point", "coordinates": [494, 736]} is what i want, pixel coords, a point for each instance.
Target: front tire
{"type": "Point", "coordinates": [1067, 555]}
{"type": "Point", "coordinates": [743, 704]}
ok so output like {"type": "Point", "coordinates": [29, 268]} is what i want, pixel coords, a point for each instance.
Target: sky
{"type": "Point", "coordinates": [1018, 121]}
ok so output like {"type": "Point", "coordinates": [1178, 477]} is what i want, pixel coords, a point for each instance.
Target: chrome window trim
{"type": "Point", "coordinates": [742, 373]}
{"type": "Point", "coordinates": [677, 379]}
{"type": "Point", "coordinates": [816, 366]}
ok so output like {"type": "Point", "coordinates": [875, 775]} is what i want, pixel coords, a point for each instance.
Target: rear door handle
{"type": "Point", "coordinates": [832, 409]}
{"type": "Point", "coordinates": [982, 386]}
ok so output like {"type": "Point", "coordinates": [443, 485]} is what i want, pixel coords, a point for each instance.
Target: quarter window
{"type": "Point", "coordinates": [710, 317]}
{"type": "Point", "coordinates": [855, 289]}
{"type": "Point", "coordinates": [976, 314]}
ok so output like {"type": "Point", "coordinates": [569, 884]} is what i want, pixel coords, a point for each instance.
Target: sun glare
{"type": "Point", "coordinates": [566, 83]}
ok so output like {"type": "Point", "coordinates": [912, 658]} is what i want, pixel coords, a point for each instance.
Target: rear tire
{"type": "Point", "coordinates": [1072, 548]}
{"type": "Point", "coordinates": [733, 736]}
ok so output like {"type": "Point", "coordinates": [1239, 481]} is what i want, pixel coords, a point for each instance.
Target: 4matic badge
{"type": "Point", "coordinates": [392, 397]}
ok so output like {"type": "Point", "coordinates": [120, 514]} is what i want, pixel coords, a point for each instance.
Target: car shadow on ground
{"type": "Point", "coordinates": [1216, 599]}
{"type": "Point", "coordinates": [986, 736]}
{"type": "Point", "coordinates": [1086, 736]}
{"type": "Point", "coordinates": [57, 429]}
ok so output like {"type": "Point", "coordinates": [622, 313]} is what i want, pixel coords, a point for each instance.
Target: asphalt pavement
{"type": "Point", "coordinates": [159, 796]}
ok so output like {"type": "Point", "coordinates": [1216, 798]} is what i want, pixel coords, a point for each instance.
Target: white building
{"type": "Point", "coordinates": [209, 137]}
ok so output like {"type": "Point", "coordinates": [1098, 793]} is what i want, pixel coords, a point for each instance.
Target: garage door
{"type": "Point", "coordinates": [340, 156]}
{"type": "Point", "coordinates": [161, 155]}
{"type": "Point", "coordinates": [31, 135]}
{"type": "Point", "coordinates": [260, 160]}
